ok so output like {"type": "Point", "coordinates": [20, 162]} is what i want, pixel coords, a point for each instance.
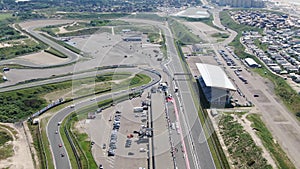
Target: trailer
{"type": "Point", "coordinates": [138, 109]}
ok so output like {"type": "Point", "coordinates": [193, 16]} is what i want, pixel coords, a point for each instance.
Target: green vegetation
{"type": "Point", "coordinates": [289, 96]}
{"type": "Point", "coordinates": [45, 143]}
{"type": "Point", "coordinates": [86, 15]}
{"type": "Point", "coordinates": [4, 16]}
{"type": "Point", "coordinates": [17, 44]}
{"type": "Point", "coordinates": [208, 21]}
{"type": "Point", "coordinates": [29, 46]}
{"type": "Point", "coordinates": [154, 37]}
{"type": "Point", "coordinates": [55, 52]}
{"type": "Point", "coordinates": [163, 47]}
{"type": "Point", "coordinates": [19, 104]}
{"type": "Point", "coordinates": [6, 149]}
{"type": "Point", "coordinates": [281, 159]}
{"type": "Point", "coordinates": [1, 78]}
{"type": "Point", "coordinates": [82, 32]}
{"type": "Point", "coordinates": [220, 35]}
{"type": "Point", "coordinates": [241, 146]}
{"type": "Point", "coordinates": [82, 143]}
{"type": "Point", "coordinates": [51, 29]}
{"type": "Point", "coordinates": [182, 34]}
{"type": "Point", "coordinates": [38, 145]}
{"type": "Point", "coordinates": [148, 16]}
{"type": "Point", "coordinates": [80, 140]}
{"type": "Point", "coordinates": [8, 33]}
{"type": "Point", "coordinates": [260, 45]}
{"type": "Point", "coordinates": [227, 21]}
{"type": "Point", "coordinates": [67, 145]}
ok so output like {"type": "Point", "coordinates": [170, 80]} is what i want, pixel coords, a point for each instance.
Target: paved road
{"type": "Point", "coordinates": [72, 57]}
{"type": "Point", "coordinates": [283, 125]}
{"type": "Point", "coordinates": [65, 78]}
{"type": "Point", "coordinates": [52, 127]}
{"type": "Point", "coordinates": [199, 154]}
{"type": "Point", "coordinates": [198, 149]}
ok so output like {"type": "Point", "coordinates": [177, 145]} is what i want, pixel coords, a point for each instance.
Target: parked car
{"type": "Point", "coordinates": [111, 152]}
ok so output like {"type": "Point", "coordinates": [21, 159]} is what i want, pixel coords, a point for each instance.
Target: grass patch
{"type": "Point", "coordinates": [29, 46]}
{"type": "Point", "coordinates": [6, 149]}
{"type": "Point", "coordinates": [260, 45]}
{"type": "Point", "coordinates": [83, 144]}
{"type": "Point", "coordinates": [182, 33]}
{"type": "Point", "coordinates": [51, 29]}
{"type": "Point", "coordinates": [67, 145]}
{"type": "Point", "coordinates": [94, 15]}
{"type": "Point", "coordinates": [4, 16]}
{"type": "Point", "coordinates": [55, 52]}
{"type": "Point", "coordinates": [208, 21]}
{"type": "Point", "coordinates": [147, 16]}
{"type": "Point", "coordinates": [220, 35]}
{"type": "Point", "coordinates": [241, 147]}
{"type": "Point", "coordinates": [154, 37]}
{"type": "Point", "coordinates": [37, 143]}
{"type": "Point", "coordinates": [227, 21]}
{"type": "Point", "coordinates": [88, 31]}
{"type": "Point", "coordinates": [281, 159]}
{"type": "Point", "coordinates": [45, 143]}
{"type": "Point", "coordinates": [8, 33]}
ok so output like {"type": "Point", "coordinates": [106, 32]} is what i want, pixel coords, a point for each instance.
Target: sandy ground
{"type": "Point", "coordinates": [22, 156]}
{"type": "Point", "coordinates": [42, 23]}
{"type": "Point", "coordinates": [205, 32]}
{"type": "Point", "coordinates": [4, 45]}
{"type": "Point", "coordinates": [43, 58]}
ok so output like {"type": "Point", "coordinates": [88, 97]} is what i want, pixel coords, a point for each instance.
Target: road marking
{"type": "Point", "coordinates": [187, 162]}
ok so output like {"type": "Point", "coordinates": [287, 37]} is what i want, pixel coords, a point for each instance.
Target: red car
{"type": "Point", "coordinates": [59, 145]}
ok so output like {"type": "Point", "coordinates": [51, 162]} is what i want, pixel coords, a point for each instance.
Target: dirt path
{"type": "Point", "coordinates": [22, 156]}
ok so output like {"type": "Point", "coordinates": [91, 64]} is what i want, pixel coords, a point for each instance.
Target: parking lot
{"type": "Point", "coordinates": [116, 145]}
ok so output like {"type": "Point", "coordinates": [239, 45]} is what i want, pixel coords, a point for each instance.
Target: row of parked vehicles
{"type": "Point", "coordinates": [113, 136]}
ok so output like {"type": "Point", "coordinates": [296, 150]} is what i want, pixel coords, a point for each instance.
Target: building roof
{"type": "Point", "coordinates": [250, 62]}
{"type": "Point", "coordinates": [214, 76]}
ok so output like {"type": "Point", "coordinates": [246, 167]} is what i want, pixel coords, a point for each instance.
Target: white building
{"type": "Point", "coordinates": [215, 85]}
{"type": "Point", "coordinates": [251, 63]}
